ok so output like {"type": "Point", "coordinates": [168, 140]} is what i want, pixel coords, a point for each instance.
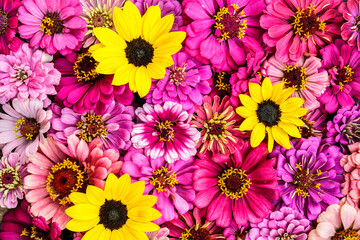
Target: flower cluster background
{"type": "Point", "coordinates": [193, 119]}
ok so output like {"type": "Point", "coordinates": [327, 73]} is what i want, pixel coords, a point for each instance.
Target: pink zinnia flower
{"type": "Point", "coordinates": [161, 234]}
{"type": "Point", "coordinates": [342, 64]}
{"type": "Point", "coordinates": [56, 170]}
{"type": "Point", "coordinates": [52, 25]}
{"type": "Point", "coordinates": [23, 126]}
{"type": "Point", "coordinates": [298, 27]}
{"type": "Point", "coordinates": [240, 190]}
{"type": "Point", "coordinates": [171, 183]}
{"type": "Point", "coordinates": [223, 32]}
{"type": "Point", "coordinates": [12, 173]}
{"type": "Point", "coordinates": [219, 125]}
{"type": "Point", "coordinates": [83, 89]}
{"type": "Point", "coordinates": [165, 132]}
{"type": "Point", "coordinates": [303, 76]}
{"type": "Point", "coordinates": [350, 30]}
{"type": "Point", "coordinates": [8, 26]}
{"type": "Point", "coordinates": [113, 127]}
{"type": "Point", "coordinates": [185, 82]}
{"type": "Point", "coordinates": [337, 222]}
{"type": "Point", "coordinates": [27, 73]}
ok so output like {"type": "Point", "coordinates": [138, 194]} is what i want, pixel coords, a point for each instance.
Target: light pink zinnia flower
{"type": "Point", "coordinates": [56, 170]}
{"type": "Point", "coordinates": [165, 131]}
{"type": "Point", "coordinates": [298, 27]}
{"type": "Point", "coordinates": [12, 173]}
{"type": "Point", "coordinates": [337, 222]}
{"type": "Point", "coordinates": [350, 30]}
{"type": "Point", "coordinates": [27, 73]}
{"type": "Point", "coordinates": [52, 25]}
{"type": "Point", "coordinates": [22, 126]}
{"type": "Point", "coordinates": [303, 76]}
{"type": "Point", "coordinates": [159, 235]}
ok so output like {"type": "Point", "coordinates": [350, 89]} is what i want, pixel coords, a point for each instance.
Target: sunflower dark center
{"type": "Point", "coordinates": [269, 113]}
{"type": "Point", "coordinates": [348, 234]}
{"type": "Point", "coordinates": [341, 76]}
{"type": "Point", "coordinates": [139, 52]}
{"type": "Point", "coordinates": [113, 214]}
{"type": "Point", "coordinates": [28, 128]}
{"type": "Point", "coordinates": [3, 21]}
{"type": "Point", "coordinates": [194, 233]}
{"type": "Point", "coordinates": [303, 180]}
{"type": "Point", "coordinates": [52, 24]}
{"type": "Point", "coordinates": [305, 22]}
{"type": "Point", "coordinates": [295, 77]}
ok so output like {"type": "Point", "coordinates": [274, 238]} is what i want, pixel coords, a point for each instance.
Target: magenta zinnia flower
{"type": "Point", "coordinates": [185, 82]}
{"type": "Point", "coordinates": [337, 222]}
{"type": "Point", "coordinates": [224, 32]}
{"type": "Point", "coordinates": [309, 176]}
{"type": "Point", "coordinates": [55, 171]}
{"type": "Point", "coordinates": [350, 30]}
{"type": "Point", "coordinates": [165, 132]}
{"type": "Point", "coordinates": [171, 183]}
{"type": "Point", "coordinates": [113, 127]}
{"type": "Point", "coordinates": [219, 125]}
{"type": "Point", "coordinates": [341, 62]}
{"type": "Point", "coordinates": [8, 26]}
{"type": "Point", "coordinates": [166, 6]}
{"type": "Point", "coordinates": [19, 224]}
{"type": "Point", "coordinates": [52, 25]}
{"type": "Point", "coordinates": [303, 76]}
{"type": "Point", "coordinates": [12, 173]}
{"type": "Point", "coordinates": [83, 89]}
{"type": "Point", "coordinates": [240, 190]}
{"type": "Point", "coordinates": [298, 27]}
{"type": "Point", "coordinates": [27, 73]}
{"type": "Point", "coordinates": [23, 126]}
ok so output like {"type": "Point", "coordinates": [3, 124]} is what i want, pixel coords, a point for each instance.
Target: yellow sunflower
{"type": "Point", "coordinates": [139, 50]}
{"type": "Point", "coordinates": [120, 211]}
{"type": "Point", "coordinates": [269, 110]}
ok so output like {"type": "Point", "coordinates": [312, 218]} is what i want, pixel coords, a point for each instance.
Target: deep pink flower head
{"type": "Point", "coordinates": [8, 26]}
{"type": "Point", "coordinates": [193, 225]}
{"type": "Point", "coordinates": [224, 32]}
{"type": "Point", "coordinates": [83, 89]}
{"type": "Point", "coordinates": [343, 66]}
{"type": "Point", "coordinates": [302, 75]}
{"type": "Point", "coordinates": [165, 131]}
{"type": "Point", "coordinates": [298, 27]}
{"type": "Point", "coordinates": [20, 224]}
{"type": "Point", "coordinates": [234, 232]}
{"type": "Point", "coordinates": [350, 30]}
{"type": "Point", "coordinates": [186, 82]}
{"type": "Point", "coordinates": [166, 6]}
{"type": "Point", "coordinates": [27, 73]}
{"type": "Point", "coordinates": [171, 183]}
{"type": "Point", "coordinates": [240, 190]}
{"type": "Point", "coordinates": [57, 170]}
{"type": "Point", "coordinates": [52, 25]}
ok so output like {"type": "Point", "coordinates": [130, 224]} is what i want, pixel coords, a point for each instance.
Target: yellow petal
{"type": "Point", "coordinates": [132, 234]}
{"type": "Point", "coordinates": [255, 92]}
{"type": "Point", "coordinates": [142, 81]}
{"type": "Point", "coordinates": [244, 112]}
{"type": "Point", "coordinates": [83, 211]}
{"type": "Point", "coordinates": [122, 187]}
{"type": "Point", "coordinates": [117, 234]}
{"type": "Point", "coordinates": [94, 234]}
{"type": "Point", "coordinates": [156, 71]}
{"type": "Point", "coordinates": [285, 95]}
{"type": "Point", "coordinates": [95, 195]}
{"type": "Point", "coordinates": [121, 75]}
{"type": "Point", "coordinates": [143, 214]}
{"type": "Point", "coordinates": [277, 90]}
{"type": "Point", "coordinates": [78, 198]}
{"type": "Point", "coordinates": [95, 47]}
{"type": "Point", "coordinates": [106, 234]}
{"type": "Point", "coordinates": [290, 129]}
{"type": "Point", "coordinates": [81, 225]}
{"type": "Point", "coordinates": [109, 65]}
{"type": "Point", "coordinates": [266, 88]}
{"type": "Point", "coordinates": [109, 38]}
{"type": "Point", "coordinates": [164, 60]}
{"type": "Point", "coordinates": [110, 186]}
{"type": "Point", "coordinates": [132, 74]}
{"type": "Point", "coordinates": [249, 123]}
{"type": "Point", "coordinates": [162, 27]}
{"type": "Point", "coordinates": [248, 102]}
{"type": "Point", "coordinates": [257, 135]}
{"type": "Point", "coordinates": [291, 119]}
{"type": "Point", "coordinates": [134, 18]}
{"type": "Point", "coordinates": [145, 227]}
{"type": "Point", "coordinates": [123, 25]}
{"type": "Point", "coordinates": [298, 112]}
{"type": "Point", "coordinates": [136, 190]}
{"type": "Point", "coordinates": [143, 200]}
{"type": "Point", "coordinates": [169, 43]}
{"type": "Point", "coordinates": [109, 52]}
{"type": "Point", "coordinates": [291, 104]}
{"type": "Point", "coordinates": [150, 19]}
{"type": "Point", "coordinates": [281, 137]}
{"type": "Point", "coordinates": [270, 139]}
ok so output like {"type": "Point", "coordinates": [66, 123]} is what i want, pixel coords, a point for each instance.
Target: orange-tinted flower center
{"type": "Point", "coordinates": [234, 183]}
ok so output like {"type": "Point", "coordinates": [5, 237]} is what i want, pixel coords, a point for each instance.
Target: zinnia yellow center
{"type": "Point", "coordinates": [306, 22]}
{"type": "Point", "coordinates": [27, 128]}
{"type": "Point", "coordinates": [195, 233]}
{"type": "Point", "coordinates": [177, 75]}
{"type": "Point", "coordinates": [221, 80]}
{"type": "Point", "coordinates": [303, 180]}
{"type": "Point", "coordinates": [99, 17]}
{"type": "Point", "coordinates": [84, 68]}
{"type": "Point", "coordinates": [295, 77]}
{"type": "Point", "coordinates": [348, 234]}
{"type": "Point", "coordinates": [34, 233]}
{"type": "Point", "coordinates": [93, 127]}
{"type": "Point", "coordinates": [234, 183]}
{"type": "Point", "coordinates": [10, 178]}
{"type": "Point", "coordinates": [52, 24]}
{"type": "Point", "coordinates": [3, 21]}
{"type": "Point", "coordinates": [163, 178]}
{"type": "Point", "coordinates": [343, 76]}
{"type": "Point", "coordinates": [165, 131]}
